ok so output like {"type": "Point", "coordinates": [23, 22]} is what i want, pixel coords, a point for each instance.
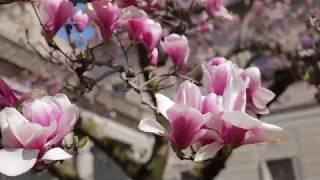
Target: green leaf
{"type": "Point", "coordinates": [83, 142]}
{"type": "Point", "coordinates": [75, 140]}
{"type": "Point", "coordinates": [306, 76]}
{"type": "Point", "coordinates": [85, 53]}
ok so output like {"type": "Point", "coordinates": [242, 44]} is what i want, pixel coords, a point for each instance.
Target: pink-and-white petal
{"type": "Point", "coordinates": [261, 97]}
{"type": "Point", "coordinates": [12, 115]}
{"type": "Point", "coordinates": [151, 35]}
{"type": "Point", "coordinates": [217, 77]}
{"type": "Point", "coordinates": [56, 154]}
{"type": "Point", "coordinates": [263, 133]}
{"type": "Point", "coordinates": [68, 120]}
{"type": "Point", "coordinates": [62, 100]}
{"type": "Point", "coordinates": [273, 132]}
{"type": "Point", "coordinates": [163, 104]}
{"type": "Point", "coordinates": [241, 120]}
{"type": "Point", "coordinates": [253, 73]}
{"type": "Point", "coordinates": [234, 97]}
{"type": "Point", "coordinates": [212, 104]}
{"type": "Point", "coordinates": [185, 123]}
{"type": "Point", "coordinates": [189, 94]}
{"type": "Point", "coordinates": [14, 162]}
{"type": "Point", "coordinates": [208, 151]}
{"type": "Point", "coordinates": [42, 111]}
{"type": "Point", "coordinates": [150, 125]}
{"type": "Point", "coordinates": [31, 135]}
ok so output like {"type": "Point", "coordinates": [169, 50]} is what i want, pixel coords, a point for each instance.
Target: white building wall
{"type": "Point", "coordinates": [301, 142]}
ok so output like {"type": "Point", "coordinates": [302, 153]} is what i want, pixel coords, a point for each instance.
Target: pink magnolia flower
{"type": "Point", "coordinates": [216, 8]}
{"type": "Point", "coordinates": [54, 14]}
{"type": "Point", "coordinates": [184, 117]}
{"type": "Point", "coordinates": [177, 48]}
{"type": "Point", "coordinates": [217, 74]}
{"type": "Point", "coordinates": [8, 96]}
{"type": "Point", "coordinates": [135, 28]}
{"type": "Point", "coordinates": [258, 96]}
{"type": "Point", "coordinates": [35, 136]}
{"type": "Point", "coordinates": [80, 19]}
{"type": "Point", "coordinates": [141, 28]}
{"type": "Point", "coordinates": [152, 34]}
{"type": "Point", "coordinates": [227, 123]}
{"type": "Point", "coordinates": [209, 123]}
{"type": "Point", "coordinates": [106, 16]}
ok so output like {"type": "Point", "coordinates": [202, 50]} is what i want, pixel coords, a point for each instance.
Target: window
{"type": "Point", "coordinates": [281, 169]}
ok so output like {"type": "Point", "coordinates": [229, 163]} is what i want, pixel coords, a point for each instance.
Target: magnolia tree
{"type": "Point", "coordinates": [217, 104]}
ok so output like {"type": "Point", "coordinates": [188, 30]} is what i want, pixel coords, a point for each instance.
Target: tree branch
{"type": "Point", "coordinates": [154, 168]}
{"type": "Point", "coordinates": [64, 171]}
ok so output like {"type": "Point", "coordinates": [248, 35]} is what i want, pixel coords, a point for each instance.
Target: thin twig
{"type": "Point", "coordinates": [138, 90]}
{"type": "Point", "coordinates": [124, 50]}
{"type": "Point", "coordinates": [53, 43]}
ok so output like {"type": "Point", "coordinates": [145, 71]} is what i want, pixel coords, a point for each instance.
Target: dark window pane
{"type": "Point", "coordinates": [281, 169]}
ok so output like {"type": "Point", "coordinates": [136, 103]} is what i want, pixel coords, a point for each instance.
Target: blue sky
{"type": "Point", "coordinates": [80, 38]}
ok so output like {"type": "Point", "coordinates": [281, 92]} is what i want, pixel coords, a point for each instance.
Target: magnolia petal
{"type": "Point", "coordinates": [65, 11]}
{"type": "Point", "coordinates": [214, 122]}
{"type": "Point", "coordinates": [177, 48]}
{"type": "Point", "coordinates": [263, 133]}
{"type": "Point", "coordinates": [208, 151]}
{"type": "Point", "coordinates": [163, 103]}
{"type": "Point", "coordinates": [3, 119]}
{"type": "Point", "coordinates": [251, 108]}
{"type": "Point", "coordinates": [152, 126]}
{"type": "Point", "coordinates": [7, 95]}
{"type": "Point", "coordinates": [189, 94]}
{"type": "Point", "coordinates": [42, 111]}
{"type": "Point", "coordinates": [62, 100]}
{"type": "Point", "coordinates": [80, 19]}
{"type": "Point", "coordinates": [214, 135]}
{"type": "Point", "coordinates": [185, 122]}
{"type": "Point", "coordinates": [272, 132]}
{"type": "Point", "coordinates": [220, 77]}
{"type": "Point", "coordinates": [262, 97]}
{"type": "Point", "coordinates": [209, 136]}
{"type": "Point", "coordinates": [14, 162]}
{"type": "Point", "coordinates": [56, 154]}
{"type": "Point", "coordinates": [241, 120]}
{"type": "Point", "coordinates": [271, 127]}
{"type": "Point", "coordinates": [41, 136]}
{"type": "Point", "coordinates": [68, 120]}
{"type": "Point", "coordinates": [12, 115]}
{"type": "Point", "coordinates": [253, 73]}
{"type": "Point", "coordinates": [24, 131]}
{"type": "Point", "coordinates": [211, 104]}
{"type": "Point", "coordinates": [234, 95]}
{"type": "Point", "coordinates": [151, 34]}
{"type": "Point", "coordinates": [9, 140]}
{"type": "Point", "coordinates": [30, 135]}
